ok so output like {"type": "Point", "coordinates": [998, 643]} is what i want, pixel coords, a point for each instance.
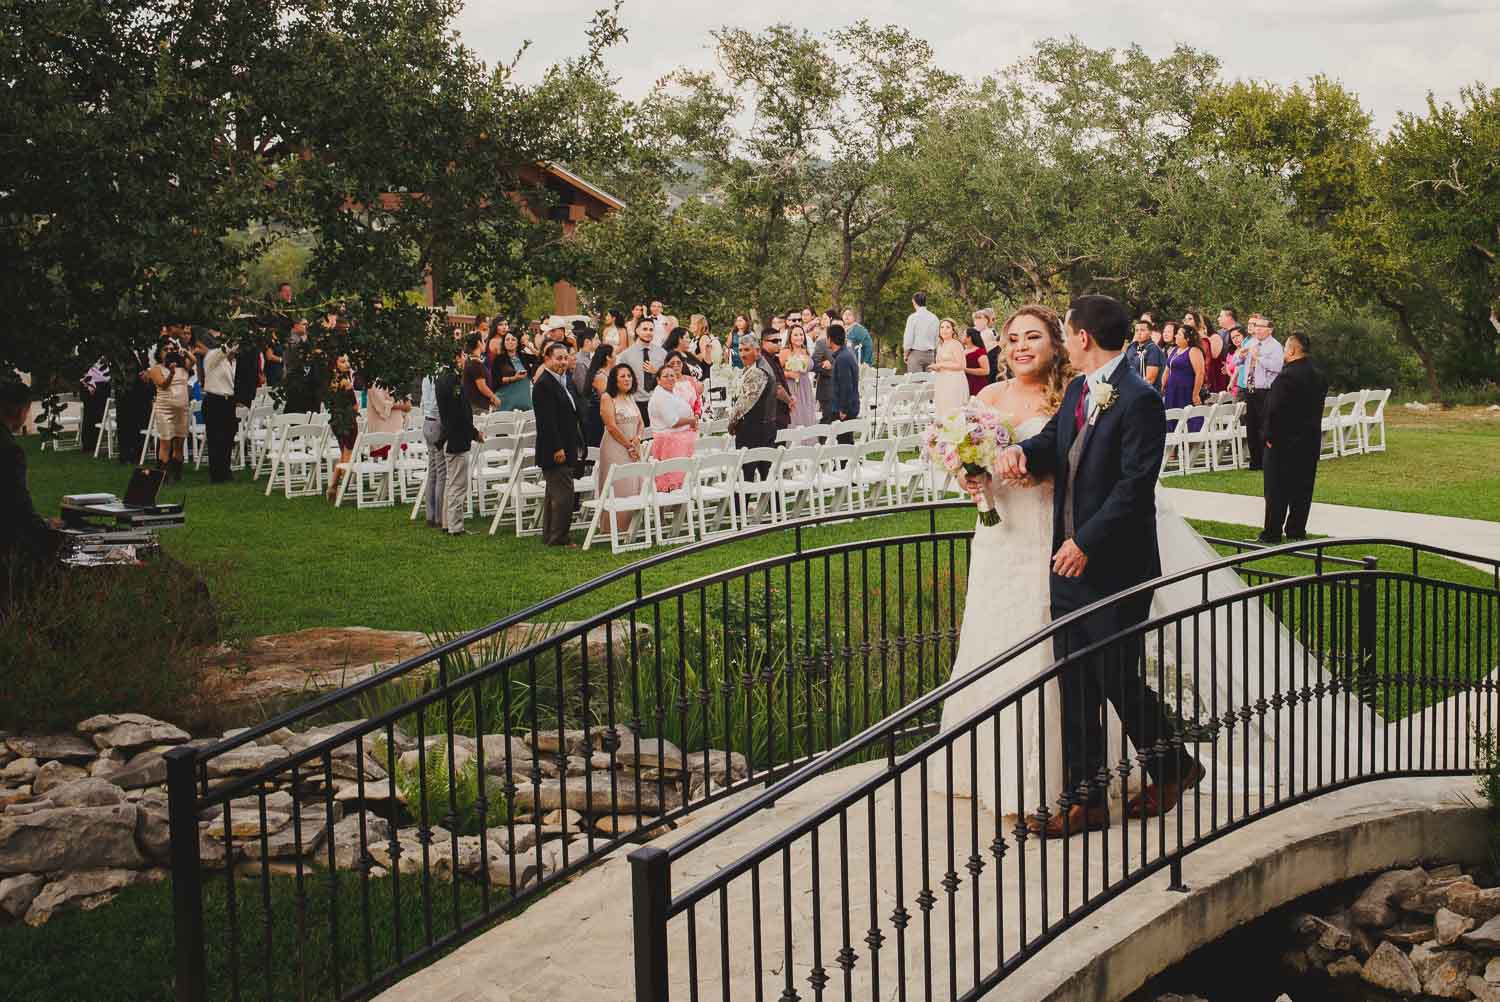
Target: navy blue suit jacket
{"type": "Point", "coordinates": [1114, 499]}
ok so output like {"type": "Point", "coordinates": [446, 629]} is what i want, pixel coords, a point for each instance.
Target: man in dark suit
{"type": "Point", "coordinates": [559, 442]}
{"type": "Point", "coordinates": [458, 435]}
{"type": "Point", "coordinates": [844, 380]}
{"type": "Point", "coordinates": [1294, 438]}
{"type": "Point", "coordinates": [1103, 449]}
{"type": "Point", "coordinates": [752, 417]}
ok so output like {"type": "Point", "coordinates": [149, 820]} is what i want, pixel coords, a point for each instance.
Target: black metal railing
{"type": "Point", "coordinates": [327, 851]}
{"type": "Point", "coordinates": [907, 877]}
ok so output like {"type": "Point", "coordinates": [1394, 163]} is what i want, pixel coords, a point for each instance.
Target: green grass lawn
{"type": "Point", "coordinates": [1436, 464]}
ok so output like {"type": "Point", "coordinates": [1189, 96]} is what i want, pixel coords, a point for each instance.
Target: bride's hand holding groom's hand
{"type": "Point", "coordinates": [1012, 464]}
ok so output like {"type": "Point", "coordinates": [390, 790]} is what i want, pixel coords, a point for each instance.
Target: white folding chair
{"type": "Point", "coordinates": [265, 443]}
{"type": "Point", "coordinates": [762, 492]}
{"type": "Point", "coordinates": [1197, 445]}
{"type": "Point", "coordinates": [913, 472]}
{"type": "Point", "coordinates": [1351, 407]}
{"type": "Point", "coordinates": [672, 509]}
{"type": "Point", "coordinates": [874, 480]}
{"type": "Point", "coordinates": [714, 493]}
{"type": "Point", "coordinates": [1172, 462]}
{"type": "Point", "coordinates": [802, 434]}
{"type": "Point", "coordinates": [68, 424]}
{"type": "Point", "coordinates": [364, 469]}
{"type": "Point", "coordinates": [410, 459]}
{"type": "Point", "coordinates": [1371, 421]}
{"type": "Point", "coordinates": [609, 506]}
{"type": "Point", "coordinates": [1224, 438]}
{"type": "Point", "coordinates": [197, 439]}
{"type": "Point", "coordinates": [491, 469]}
{"type": "Point", "coordinates": [834, 481]}
{"type": "Point", "coordinates": [1330, 429]}
{"type": "Point", "coordinates": [858, 427]}
{"type": "Point", "coordinates": [109, 427]}
{"type": "Point", "coordinates": [797, 482]}
{"type": "Point", "coordinates": [298, 464]}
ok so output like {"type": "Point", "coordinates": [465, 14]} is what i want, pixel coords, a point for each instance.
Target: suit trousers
{"type": "Point", "coordinates": [1115, 675]}
{"type": "Point", "coordinates": [93, 413]}
{"type": "Point", "coordinates": [1290, 474]}
{"type": "Point", "coordinates": [219, 425]}
{"type": "Point", "coordinates": [455, 490]}
{"type": "Point", "coordinates": [557, 505]}
{"type": "Point", "coordinates": [920, 360]}
{"type": "Point", "coordinates": [1255, 426]}
{"type": "Point", "coordinates": [437, 471]}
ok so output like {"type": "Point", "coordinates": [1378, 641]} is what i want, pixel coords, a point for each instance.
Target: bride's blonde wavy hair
{"type": "Point", "coordinates": [1060, 372]}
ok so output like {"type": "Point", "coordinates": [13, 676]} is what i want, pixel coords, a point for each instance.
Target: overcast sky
{"type": "Point", "coordinates": [1391, 52]}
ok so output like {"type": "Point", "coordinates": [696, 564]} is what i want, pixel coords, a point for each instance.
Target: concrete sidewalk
{"type": "Point", "coordinates": [1466, 535]}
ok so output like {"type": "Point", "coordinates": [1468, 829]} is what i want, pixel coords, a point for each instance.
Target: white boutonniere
{"type": "Point", "coordinates": [1102, 395]}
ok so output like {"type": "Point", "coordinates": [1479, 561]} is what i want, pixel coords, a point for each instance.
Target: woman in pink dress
{"type": "Point", "coordinates": [950, 389]}
{"type": "Point", "coordinates": [674, 425]}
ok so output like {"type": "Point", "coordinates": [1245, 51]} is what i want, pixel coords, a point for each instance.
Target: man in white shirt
{"type": "Point", "coordinates": [437, 459]}
{"type": "Point", "coordinates": [1264, 359]}
{"type": "Point", "coordinates": [919, 342]}
{"type": "Point", "coordinates": [219, 420]}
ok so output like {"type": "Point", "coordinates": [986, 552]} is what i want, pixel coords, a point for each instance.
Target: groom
{"type": "Point", "coordinates": [1103, 448]}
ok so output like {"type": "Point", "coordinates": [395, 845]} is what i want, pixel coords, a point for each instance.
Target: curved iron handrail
{"type": "Point", "coordinates": [829, 760]}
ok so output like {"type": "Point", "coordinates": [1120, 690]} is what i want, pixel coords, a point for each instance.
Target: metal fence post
{"type": "Point", "coordinates": [187, 876]}
{"type": "Point", "coordinates": [1368, 630]}
{"type": "Point", "coordinates": [651, 887]}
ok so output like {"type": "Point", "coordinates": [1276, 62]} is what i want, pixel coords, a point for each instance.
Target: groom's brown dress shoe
{"type": "Point", "coordinates": [1078, 818]}
{"type": "Point", "coordinates": [1156, 800]}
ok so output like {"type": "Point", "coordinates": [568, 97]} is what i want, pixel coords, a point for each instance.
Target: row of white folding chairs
{"type": "Point", "coordinates": [800, 435]}
{"type": "Point", "coordinates": [1354, 423]}
{"type": "Point", "coordinates": [1204, 438]}
{"type": "Point", "coordinates": [718, 495]}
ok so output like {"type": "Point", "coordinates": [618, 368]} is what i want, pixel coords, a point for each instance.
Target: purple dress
{"type": "Point", "coordinates": [1180, 387]}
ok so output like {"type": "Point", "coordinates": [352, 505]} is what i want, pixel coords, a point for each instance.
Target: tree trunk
{"type": "Point", "coordinates": [1406, 335]}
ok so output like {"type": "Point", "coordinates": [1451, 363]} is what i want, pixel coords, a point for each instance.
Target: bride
{"type": "Point", "coordinates": [1008, 580]}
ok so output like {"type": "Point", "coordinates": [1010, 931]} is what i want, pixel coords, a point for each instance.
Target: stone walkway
{"type": "Point", "coordinates": [1467, 535]}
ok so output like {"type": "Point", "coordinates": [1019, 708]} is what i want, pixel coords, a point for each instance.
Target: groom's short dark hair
{"type": "Point", "coordinates": [1103, 317]}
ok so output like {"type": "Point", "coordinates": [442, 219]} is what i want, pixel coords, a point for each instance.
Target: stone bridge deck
{"type": "Point", "coordinates": [577, 942]}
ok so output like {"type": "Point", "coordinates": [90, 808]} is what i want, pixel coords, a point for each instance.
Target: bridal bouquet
{"type": "Point", "coordinates": [970, 441]}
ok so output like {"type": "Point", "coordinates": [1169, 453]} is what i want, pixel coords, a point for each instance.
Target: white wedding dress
{"type": "Point", "coordinates": [1008, 600]}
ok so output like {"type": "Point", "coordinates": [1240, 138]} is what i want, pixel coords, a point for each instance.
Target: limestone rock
{"type": "Point", "coordinates": [85, 888]}
{"type": "Point", "coordinates": [247, 824]}
{"type": "Point", "coordinates": [279, 801]}
{"type": "Point", "coordinates": [147, 768]}
{"type": "Point", "coordinates": [86, 792]}
{"type": "Point", "coordinates": [347, 843]}
{"type": "Point", "coordinates": [1478, 903]}
{"type": "Point", "coordinates": [54, 748]}
{"type": "Point", "coordinates": [109, 762]}
{"type": "Point", "coordinates": [1345, 967]}
{"type": "Point", "coordinates": [1492, 971]}
{"type": "Point", "coordinates": [1374, 908]}
{"type": "Point", "coordinates": [1334, 937]}
{"type": "Point", "coordinates": [54, 774]}
{"type": "Point", "coordinates": [286, 843]}
{"type": "Point", "coordinates": [1427, 899]}
{"type": "Point", "coordinates": [1482, 990]}
{"type": "Point", "coordinates": [132, 730]}
{"type": "Point", "coordinates": [30, 806]}
{"type": "Point", "coordinates": [69, 838]}
{"type": "Point", "coordinates": [17, 893]}
{"type": "Point", "coordinates": [603, 792]}
{"type": "Point", "coordinates": [1410, 933]}
{"type": "Point", "coordinates": [20, 770]}
{"type": "Point", "coordinates": [1390, 969]}
{"type": "Point", "coordinates": [1450, 926]}
{"type": "Point", "coordinates": [568, 742]}
{"type": "Point", "coordinates": [651, 753]}
{"type": "Point", "coordinates": [1444, 973]}
{"type": "Point", "coordinates": [1486, 937]}
{"type": "Point", "coordinates": [245, 759]}
{"type": "Point", "coordinates": [153, 831]}
{"type": "Point", "coordinates": [498, 749]}
{"type": "Point", "coordinates": [724, 767]}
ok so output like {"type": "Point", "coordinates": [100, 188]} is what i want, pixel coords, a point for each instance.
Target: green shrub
{"type": "Point", "coordinates": [80, 641]}
{"type": "Point", "coordinates": [450, 798]}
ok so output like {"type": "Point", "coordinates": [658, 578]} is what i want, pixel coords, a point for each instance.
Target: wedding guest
{"type": "Point", "coordinates": [822, 367]}
{"type": "Point", "coordinates": [950, 389]}
{"type": "Point", "coordinates": [26, 538]}
{"type": "Point", "coordinates": [797, 362]}
{"type": "Point", "coordinates": [701, 335]}
{"type": "Point", "coordinates": [459, 436]}
{"type": "Point", "coordinates": [511, 377]}
{"type": "Point", "coordinates": [588, 344]}
{"type": "Point", "coordinates": [559, 444]}
{"type": "Point", "coordinates": [219, 419]}
{"type": "Point", "coordinates": [984, 322]}
{"type": "Point", "coordinates": [1145, 356]}
{"type": "Point", "coordinates": [644, 358]}
{"type": "Point", "coordinates": [1264, 359]}
{"type": "Point", "coordinates": [707, 355]}
{"type": "Point", "coordinates": [1293, 436]}
{"type": "Point", "coordinates": [384, 415]}
{"type": "Point", "coordinates": [920, 341]}
{"type": "Point", "coordinates": [857, 337]}
{"type": "Point", "coordinates": [752, 418]}
{"type": "Point", "coordinates": [169, 409]}
{"type": "Point", "coordinates": [1238, 362]}
{"type": "Point", "coordinates": [845, 380]}
{"type": "Point", "coordinates": [437, 467]}
{"type": "Point", "coordinates": [622, 434]}
{"type": "Point", "coordinates": [1215, 379]}
{"type": "Point", "coordinates": [738, 331]}
{"type": "Point", "coordinates": [1185, 374]}
{"type": "Point", "coordinates": [770, 360]}
{"type": "Point", "coordinates": [976, 360]}
{"type": "Point", "coordinates": [614, 333]}
{"type": "Point", "coordinates": [674, 425]}
{"type": "Point", "coordinates": [1166, 339]}
{"type": "Point", "coordinates": [343, 417]}
{"type": "Point", "coordinates": [593, 419]}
